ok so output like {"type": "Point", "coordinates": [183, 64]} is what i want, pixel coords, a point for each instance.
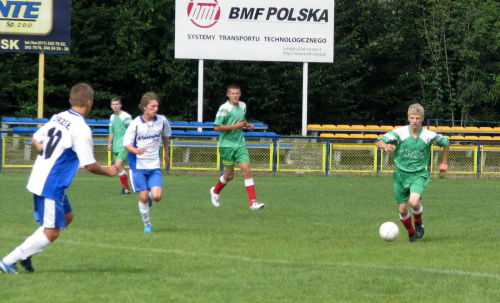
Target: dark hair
{"type": "Point", "coordinates": [233, 86]}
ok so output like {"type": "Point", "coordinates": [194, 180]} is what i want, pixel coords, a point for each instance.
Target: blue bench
{"type": "Point", "coordinates": [101, 127]}
{"type": "Point", "coordinates": [214, 144]}
{"type": "Point", "coordinates": [100, 131]}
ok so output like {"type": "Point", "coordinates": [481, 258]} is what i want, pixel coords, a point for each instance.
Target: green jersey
{"type": "Point", "coordinates": [229, 114]}
{"type": "Point", "coordinates": [117, 127]}
{"type": "Point", "coordinates": [413, 154]}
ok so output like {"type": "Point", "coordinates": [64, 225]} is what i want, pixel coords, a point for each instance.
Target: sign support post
{"type": "Point", "coordinates": [305, 81]}
{"type": "Point", "coordinates": [41, 73]}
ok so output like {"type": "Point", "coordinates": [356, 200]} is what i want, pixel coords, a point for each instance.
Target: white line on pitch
{"type": "Point", "coordinates": [278, 261]}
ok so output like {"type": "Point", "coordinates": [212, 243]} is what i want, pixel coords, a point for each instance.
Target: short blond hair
{"type": "Point", "coordinates": [80, 93]}
{"type": "Point", "coordinates": [416, 109]}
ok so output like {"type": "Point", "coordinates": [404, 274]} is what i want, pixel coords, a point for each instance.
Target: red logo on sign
{"type": "Point", "coordinates": [204, 13]}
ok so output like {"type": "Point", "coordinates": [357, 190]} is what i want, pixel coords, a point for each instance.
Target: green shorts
{"type": "Point", "coordinates": [406, 183]}
{"type": "Point", "coordinates": [232, 155]}
{"type": "Point", "coordinates": [122, 154]}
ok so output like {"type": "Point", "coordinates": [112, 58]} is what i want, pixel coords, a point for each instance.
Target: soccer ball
{"type": "Point", "coordinates": [388, 231]}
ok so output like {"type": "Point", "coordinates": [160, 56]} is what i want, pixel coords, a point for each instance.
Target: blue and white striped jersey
{"type": "Point", "coordinates": [67, 144]}
{"type": "Point", "coordinates": [146, 134]}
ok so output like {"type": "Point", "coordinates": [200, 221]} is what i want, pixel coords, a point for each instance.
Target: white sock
{"type": "Point", "coordinates": [144, 210]}
{"type": "Point", "coordinates": [123, 172]}
{"type": "Point", "coordinates": [222, 180]}
{"type": "Point", "coordinates": [249, 182]}
{"type": "Point", "coordinates": [419, 211]}
{"type": "Point", "coordinates": [34, 244]}
{"type": "Point", "coordinates": [405, 217]}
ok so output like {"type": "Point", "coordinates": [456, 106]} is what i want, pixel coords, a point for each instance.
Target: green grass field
{"type": "Point", "coordinates": [315, 241]}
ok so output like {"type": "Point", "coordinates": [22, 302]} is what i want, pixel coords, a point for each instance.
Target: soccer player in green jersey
{"type": "Point", "coordinates": [118, 123]}
{"type": "Point", "coordinates": [230, 121]}
{"type": "Point", "coordinates": [411, 156]}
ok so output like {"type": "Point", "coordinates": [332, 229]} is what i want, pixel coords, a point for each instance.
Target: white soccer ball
{"type": "Point", "coordinates": [389, 231]}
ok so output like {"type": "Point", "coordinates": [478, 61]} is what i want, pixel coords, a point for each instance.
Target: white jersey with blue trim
{"type": "Point", "coordinates": [149, 135]}
{"type": "Point", "coordinates": [67, 144]}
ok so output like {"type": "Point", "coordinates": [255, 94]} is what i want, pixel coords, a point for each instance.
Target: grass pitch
{"type": "Point", "coordinates": [315, 241]}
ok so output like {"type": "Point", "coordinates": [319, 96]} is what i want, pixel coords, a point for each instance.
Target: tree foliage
{"type": "Point", "coordinates": [388, 54]}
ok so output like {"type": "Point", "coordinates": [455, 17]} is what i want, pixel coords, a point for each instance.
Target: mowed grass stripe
{"type": "Point", "coordinates": [282, 261]}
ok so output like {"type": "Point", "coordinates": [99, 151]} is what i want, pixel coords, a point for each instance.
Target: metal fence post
{"type": "Point", "coordinates": [327, 157]}
{"type": "Point", "coordinates": [1, 150]}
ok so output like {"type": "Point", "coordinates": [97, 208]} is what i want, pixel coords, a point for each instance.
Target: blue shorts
{"type": "Point", "coordinates": [143, 179]}
{"type": "Point", "coordinates": [51, 213]}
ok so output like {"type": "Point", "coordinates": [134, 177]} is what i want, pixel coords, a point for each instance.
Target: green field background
{"type": "Point", "coordinates": [315, 241]}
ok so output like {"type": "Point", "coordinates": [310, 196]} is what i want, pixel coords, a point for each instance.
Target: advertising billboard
{"type": "Point", "coordinates": [35, 26]}
{"type": "Point", "coordinates": [256, 30]}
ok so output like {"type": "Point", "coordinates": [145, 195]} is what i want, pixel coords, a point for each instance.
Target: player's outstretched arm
{"type": "Point", "coordinates": [97, 169]}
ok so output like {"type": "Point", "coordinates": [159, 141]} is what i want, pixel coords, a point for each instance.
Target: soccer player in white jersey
{"type": "Point", "coordinates": [230, 121]}
{"type": "Point", "coordinates": [65, 143]}
{"type": "Point", "coordinates": [143, 141]}
{"type": "Point", "coordinates": [411, 156]}
{"type": "Point", "coordinates": [118, 123]}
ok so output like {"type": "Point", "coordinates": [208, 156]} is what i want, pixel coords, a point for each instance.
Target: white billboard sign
{"type": "Point", "coordinates": [257, 30]}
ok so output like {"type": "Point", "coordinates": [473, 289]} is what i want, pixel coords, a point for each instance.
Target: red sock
{"type": "Point", "coordinates": [417, 218]}
{"type": "Point", "coordinates": [417, 215]}
{"type": "Point", "coordinates": [124, 180]}
{"type": "Point", "coordinates": [219, 187]}
{"type": "Point", "coordinates": [408, 225]}
{"type": "Point", "coordinates": [251, 193]}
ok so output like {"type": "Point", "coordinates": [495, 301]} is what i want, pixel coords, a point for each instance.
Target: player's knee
{"type": "Point", "coordinates": [51, 233]}
{"type": "Point", "coordinates": [414, 203]}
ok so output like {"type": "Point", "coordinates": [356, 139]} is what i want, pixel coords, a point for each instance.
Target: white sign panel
{"type": "Point", "coordinates": [257, 30]}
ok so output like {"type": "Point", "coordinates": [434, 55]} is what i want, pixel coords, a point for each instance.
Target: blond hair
{"type": "Point", "coordinates": [416, 109]}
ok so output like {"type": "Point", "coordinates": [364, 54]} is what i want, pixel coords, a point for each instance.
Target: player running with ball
{"type": "Point", "coordinates": [411, 156]}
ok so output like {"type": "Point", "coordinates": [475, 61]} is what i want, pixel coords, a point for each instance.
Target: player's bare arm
{"type": "Point", "coordinates": [37, 144]}
{"type": "Point", "coordinates": [443, 167]}
{"type": "Point", "coordinates": [166, 155]}
{"type": "Point", "coordinates": [97, 169]}
{"type": "Point", "coordinates": [385, 146]}
{"type": "Point", "coordinates": [249, 126]}
{"type": "Point", "coordinates": [135, 150]}
{"type": "Point", "coordinates": [239, 124]}
{"type": "Point", "coordinates": [110, 142]}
